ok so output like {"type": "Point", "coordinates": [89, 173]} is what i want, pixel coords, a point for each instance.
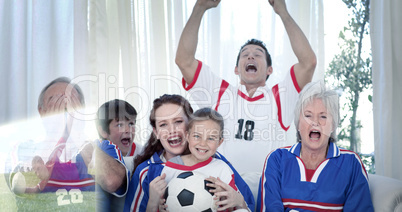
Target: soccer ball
{"type": "Point", "coordinates": [188, 192]}
{"type": "Point", "coordinates": [18, 184]}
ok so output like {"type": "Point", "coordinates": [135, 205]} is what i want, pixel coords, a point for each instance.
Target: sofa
{"type": "Point", "coordinates": [386, 193]}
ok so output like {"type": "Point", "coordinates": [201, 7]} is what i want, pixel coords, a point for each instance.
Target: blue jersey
{"type": "Point", "coordinates": [339, 183]}
{"type": "Point", "coordinates": [68, 176]}
{"type": "Point", "coordinates": [240, 184]}
{"type": "Point", "coordinates": [138, 193]}
{"type": "Point", "coordinates": [106, 201]}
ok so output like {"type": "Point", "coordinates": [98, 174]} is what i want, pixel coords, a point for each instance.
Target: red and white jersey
{"type": "Point", "coordinates": [129, 158]}
{"type": "Point", "coordinates": [135, 150]}
{"type": "Point", "coordinates": [254, 126]}
{"type": "Point", "coordinates": [211, 167]}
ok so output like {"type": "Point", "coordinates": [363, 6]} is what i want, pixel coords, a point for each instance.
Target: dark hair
{"type": "Point", "coordinates": [207, 114]}
{"type": "Point", "coordinates": [258, 43]}
{"type": "Point", "coordinates": [114, 110]}
{"type": "Point", "coordinates": [61, 80]}
{"type": "Point", "coordinates": [154, 145]}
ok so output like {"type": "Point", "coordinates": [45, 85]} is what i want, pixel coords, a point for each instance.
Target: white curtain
{"type": "Point", "coordinates": [126, 49]}
{"type": "Point", "coordinates": [386, 34]}
{"type": "Point", "coordinates": [36, 39]}
{"type": "Point", "coordinates": [134, 43]}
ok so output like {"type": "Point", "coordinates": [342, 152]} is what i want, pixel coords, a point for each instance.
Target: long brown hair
{"type": "Point", "coordinates": [154, 145]}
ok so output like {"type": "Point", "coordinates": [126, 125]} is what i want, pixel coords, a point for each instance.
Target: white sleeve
{"type": "Point", "coordinates": [204, 89]}
{"type": "Point", "coordinates": [289, 94]}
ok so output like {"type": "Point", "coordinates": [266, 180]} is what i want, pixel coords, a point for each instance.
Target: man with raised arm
{"type": "Point", "coordinates": [256, 116]}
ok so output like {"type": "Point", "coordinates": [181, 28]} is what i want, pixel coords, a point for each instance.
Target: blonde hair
{"type": "Point", "coordinates": [330, 99]}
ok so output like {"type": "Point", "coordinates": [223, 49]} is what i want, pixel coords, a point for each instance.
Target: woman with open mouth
{"type": "Point", "coordinates": [314, 174]}
{"type": "Point", "coordinates": [169, 118]}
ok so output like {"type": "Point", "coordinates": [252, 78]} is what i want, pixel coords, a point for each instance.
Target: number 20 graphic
{"type": "Point", "coordinates": [63, 199]}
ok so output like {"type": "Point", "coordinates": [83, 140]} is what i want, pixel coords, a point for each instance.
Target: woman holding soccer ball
{"type": "Point", "coordinates": [169, 118]}
{"type": "Point", "coordinates": [204, 136]}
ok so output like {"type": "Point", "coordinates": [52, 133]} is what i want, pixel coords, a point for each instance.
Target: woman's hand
{"type": "Point", "coordinates": [156, 190]}
{"type": "Point", "coordinates": [215, 188]}
{"type": "Point", "coordinates": [162, 205]}
{"type": "Point", "coordinates": [225, 195]}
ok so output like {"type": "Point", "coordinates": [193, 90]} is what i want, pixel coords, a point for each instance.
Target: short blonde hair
{"type": "Point", "coordinates": [330, 99]}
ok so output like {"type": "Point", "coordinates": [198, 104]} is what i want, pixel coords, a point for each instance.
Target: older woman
{"type": "Point", "coordinates": [314, 174]}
